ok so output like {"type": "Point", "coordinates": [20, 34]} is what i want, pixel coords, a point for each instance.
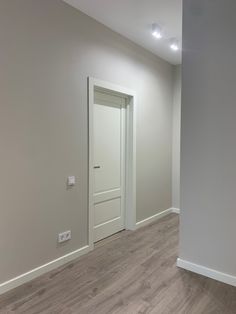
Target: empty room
{"type": "Point", "coordinates": [117, 157]}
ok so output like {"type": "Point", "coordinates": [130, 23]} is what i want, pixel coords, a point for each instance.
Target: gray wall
{"type": "Point", "coordinates": [208, 149]}
{"type": "Point", "coordinates": [176, 138]}
{"type": "Point", "coordinates": [48, 50]}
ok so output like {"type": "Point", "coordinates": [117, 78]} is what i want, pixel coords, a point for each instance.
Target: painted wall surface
{"type": "Point", "coordinates": [208, 137]}
{"type": "Point", "coordinates": [176, 138]}
{"type": "Point", "coordinates": [48, 49]}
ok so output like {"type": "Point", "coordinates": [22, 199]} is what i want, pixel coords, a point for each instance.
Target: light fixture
{"type": "Point", "coordinates": [156, 31]}
{"type": "Point", "coordinates": [174, 44]}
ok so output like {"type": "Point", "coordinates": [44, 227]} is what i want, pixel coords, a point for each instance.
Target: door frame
{"type": "Point", "coordinates": [130, 152]}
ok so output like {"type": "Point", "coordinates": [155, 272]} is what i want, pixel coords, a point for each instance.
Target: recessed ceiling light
{"type": "Point", "coordinates": [174, 44]}
{"type": "Point", "coordinates": [156, 31]}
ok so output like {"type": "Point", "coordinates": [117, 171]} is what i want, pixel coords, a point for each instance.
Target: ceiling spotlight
{"type": "Point", "coordinates": [156, 31]}
{"type": "Point", "coordinates": [174, 44]}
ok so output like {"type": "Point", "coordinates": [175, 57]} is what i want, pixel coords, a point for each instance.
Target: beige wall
{"type": "Point", "coordinates": [48, 50]}
{"type": "Point", "coordinates": [176, 137]}
{"type": "Point", "coordinates": [208, 136]}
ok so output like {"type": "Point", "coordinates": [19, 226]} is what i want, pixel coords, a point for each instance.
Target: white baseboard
{"type": "Point", "coordinates": [153, 218]}
{"type": "Point", "coordinates": [207, 272]}
{"type": "Point", "coordinates": [175, 210]}
{"type": "Point", "coordinates": [17, 281]}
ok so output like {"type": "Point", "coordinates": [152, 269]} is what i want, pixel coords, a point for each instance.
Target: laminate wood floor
{"type": "Point", "coordinates": [130, 272]}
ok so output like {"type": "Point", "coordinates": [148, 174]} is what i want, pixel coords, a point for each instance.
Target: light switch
{"type": "Point", "coordinates": [71, 181]}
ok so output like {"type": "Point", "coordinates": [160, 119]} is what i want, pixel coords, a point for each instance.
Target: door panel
{"type": "Point", "coordinates": [107, 147]}
{"type": "Point", "coordinates": [109, 170]}
{"type": "Point", "coordinates": [106, 195]}
{"type": "Point", "coordinates": [107, 211]}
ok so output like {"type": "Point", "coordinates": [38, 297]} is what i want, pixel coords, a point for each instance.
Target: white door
{"type": "Point", "coordinates": [109, 164]}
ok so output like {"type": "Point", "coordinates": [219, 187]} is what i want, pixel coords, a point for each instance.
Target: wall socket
{"type": "Point", "coordinates": [64, 236]}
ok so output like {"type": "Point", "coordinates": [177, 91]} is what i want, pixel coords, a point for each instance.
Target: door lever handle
{"type": "Point", "coordinates": [96, 167]}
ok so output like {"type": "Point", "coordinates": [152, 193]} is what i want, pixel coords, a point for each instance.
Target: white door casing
{"type": "Point", "coordinates": [98, 183]}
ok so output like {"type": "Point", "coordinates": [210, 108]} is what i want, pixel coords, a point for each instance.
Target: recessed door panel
{"type": "Point", "coordinates": [107, 147]}
{"type": "Point", "coordinates": [107, 211]}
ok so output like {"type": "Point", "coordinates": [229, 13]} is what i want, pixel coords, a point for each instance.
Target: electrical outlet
{"type": "Point", "coordinates": [64, 236]}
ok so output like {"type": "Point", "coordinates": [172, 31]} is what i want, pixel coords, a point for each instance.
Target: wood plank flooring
{"type": "Point", "coordinates": [130, 272]}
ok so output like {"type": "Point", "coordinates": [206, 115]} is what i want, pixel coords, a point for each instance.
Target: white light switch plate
{"type": "Point", "coordinates": [71, 181]}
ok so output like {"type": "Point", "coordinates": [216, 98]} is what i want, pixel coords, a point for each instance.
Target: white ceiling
{"type": "Point", "coordinates": [133, 19]}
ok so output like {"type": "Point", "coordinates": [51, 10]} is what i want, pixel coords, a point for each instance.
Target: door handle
{"type": "Point", "coordinates": [96, 167]}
